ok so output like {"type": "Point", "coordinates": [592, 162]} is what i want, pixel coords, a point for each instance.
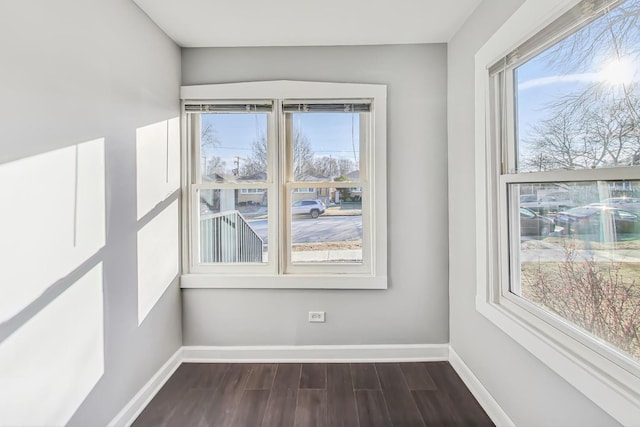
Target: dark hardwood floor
{"type": "Point", "coordinates": [314, 394]}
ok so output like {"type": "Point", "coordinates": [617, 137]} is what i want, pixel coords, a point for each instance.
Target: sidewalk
{"type": "Point", "coordinates": [324, 256]}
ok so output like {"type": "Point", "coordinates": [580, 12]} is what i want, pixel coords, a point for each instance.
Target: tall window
{"type": "Point", "coordinates": [324, 145]}
{"type": "Point", "coordinates": [564, 196]}
{"type": "Point", "coordinates": [271, 185]}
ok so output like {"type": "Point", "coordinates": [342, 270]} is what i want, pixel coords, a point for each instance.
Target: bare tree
{"type": "Point", "coordinates": [600, 297]}
{"type": "Point", "coordinates": [302, 156]}
{"type": "Point", "coordinates": [257, 161]}
{"type": "Point", "coordinates": [614, 36]}
{"type": "Point", "coordinates": [208, 141]}
{"type": "Point", "coordinates": [587, 130]}
{"type": "Point", "coordinates": [303, 159]}
{"type": "Point", "coordinates": [610, 126]}
{"type": "Point", "coordinates": [598, 125]}
{"type": "Point", "coordinates": [325, 166]}
{"type": "Point", "coordinates": [346, 166]}
{"type": "Point", "coordinates": [215, 165]}
{"type": "Point", "coordinates": [556, 144]}
{"type": "Point", "coordinates": [208, 138]}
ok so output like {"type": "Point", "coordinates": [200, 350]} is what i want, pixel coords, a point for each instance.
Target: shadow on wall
{"type": "Point", "coordinates": [53, 228]}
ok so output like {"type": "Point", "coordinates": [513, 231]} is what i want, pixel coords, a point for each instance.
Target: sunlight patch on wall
{"type": "Point", "coordinates": [158, 245]}
{"type": "Point", "coordinates": [49, 365]}
{"type": "Point", "coordinates": [52, 220]}
{"type": "Point", "coordinates": [158, 163]}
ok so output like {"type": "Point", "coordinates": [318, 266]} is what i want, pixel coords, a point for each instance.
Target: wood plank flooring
{"type": "Point", "coordinates": [314, 394]}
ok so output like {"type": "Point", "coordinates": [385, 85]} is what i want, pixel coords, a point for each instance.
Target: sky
{"type": "Point", "coordinates": [540, 84]}
{"type": "Point", "coordinates": [329, 134]}
{"type": "Point", "coordinates": [234, 134]}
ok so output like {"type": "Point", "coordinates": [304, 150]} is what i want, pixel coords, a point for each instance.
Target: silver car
{"type": "Point", "coordinates": [313, 207]}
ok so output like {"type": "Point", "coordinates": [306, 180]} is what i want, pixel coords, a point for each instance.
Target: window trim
{"type": "Point", "coordinates": [293, 90]}
{"type": "Point", "coordinates": [611, 386]}
{"type": "Point", "coordinates": [191, 189]}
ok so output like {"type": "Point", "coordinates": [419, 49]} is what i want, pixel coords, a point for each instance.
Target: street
{"type": "Point", "coordinates": [321, 229]}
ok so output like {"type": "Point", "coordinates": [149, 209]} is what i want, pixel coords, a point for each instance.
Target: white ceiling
{"type": "Point", "coordinates": [202, 23]}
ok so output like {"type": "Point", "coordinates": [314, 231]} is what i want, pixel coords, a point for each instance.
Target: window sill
{"type": "Point", "coordinates": [299, 281]}
{"type": "Point", "coordinates": [608, 385]}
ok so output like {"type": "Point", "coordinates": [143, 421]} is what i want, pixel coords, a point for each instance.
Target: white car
{"type": "Point", "coordinates": [313, 207]}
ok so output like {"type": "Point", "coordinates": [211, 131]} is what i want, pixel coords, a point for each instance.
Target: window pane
{"type": "Point", "coordinates": [326, 146]}
{"type": "Point", "coordinates": [233, 225]}
{"type": "Point", "coordinates": [325, 233]}
{"type": "Point", "coordinates": [581, 262]}
{"type": "Point", "coordinates": [578, 102]}
{"type": "Point", "coordinates": [233, 147]}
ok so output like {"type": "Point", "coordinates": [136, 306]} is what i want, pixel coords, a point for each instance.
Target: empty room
{"type": "Point", "coordinates": [346, 213]}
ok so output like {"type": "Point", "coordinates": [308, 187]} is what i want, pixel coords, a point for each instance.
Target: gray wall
{"type": "Point", "coordinates": [415, 307]}
{"type": "Point", "coordinates": [531, 394]}
{"type": "Point", "coordinates": [73, 71]}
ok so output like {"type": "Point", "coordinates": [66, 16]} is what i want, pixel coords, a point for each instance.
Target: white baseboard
{"type": "Point", "coordinates": [317, 353]}
{"type": "Point", "coordinates": [309, 354]}
{"type": "Point", "coordinates": [484, 398]}
{"type": "Point", "coordinates": [140, 401]}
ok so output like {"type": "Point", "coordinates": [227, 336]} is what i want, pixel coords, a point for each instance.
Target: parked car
{"type": "Point", "coordinates": [313, 207]}
{"type": "Point", "coordinates": [532, 224]}
{"type": "Point", "coordinates": [596, 218]}
{"type": "Point", "coordinates": [550, 203]}
{"type": "Point", "coordinates": [631, 204]}
{"type": "Point", "coordinates": [528, 198]}
{"type": "Point", "coordinates": [621, 200]}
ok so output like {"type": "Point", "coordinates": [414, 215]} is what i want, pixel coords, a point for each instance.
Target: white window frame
{"type": "Point", "coordinates": [606, 377]}
{"type": "Point", "coordinates": [372, 272]}
{"type": "Point", "coordinates": [192, 169]}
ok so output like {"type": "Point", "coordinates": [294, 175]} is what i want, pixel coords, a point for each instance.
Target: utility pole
{"type": "Point", "coordinates": [236, 170]}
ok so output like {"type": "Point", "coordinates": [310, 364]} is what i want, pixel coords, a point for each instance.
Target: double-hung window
{"type": "Point", "coordinates": [559, 193]}
{"type": "Point", "coordinates": [271, 169]}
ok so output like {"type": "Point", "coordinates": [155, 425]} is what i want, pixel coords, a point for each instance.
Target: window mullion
{"type": "Point", "coordinates": [601, 174]}
{"type": "Point", "coordinates": [285, 129]}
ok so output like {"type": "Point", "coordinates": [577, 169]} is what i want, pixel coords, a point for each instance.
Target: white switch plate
{"type": "Point", "coordinates": [316, 316]}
